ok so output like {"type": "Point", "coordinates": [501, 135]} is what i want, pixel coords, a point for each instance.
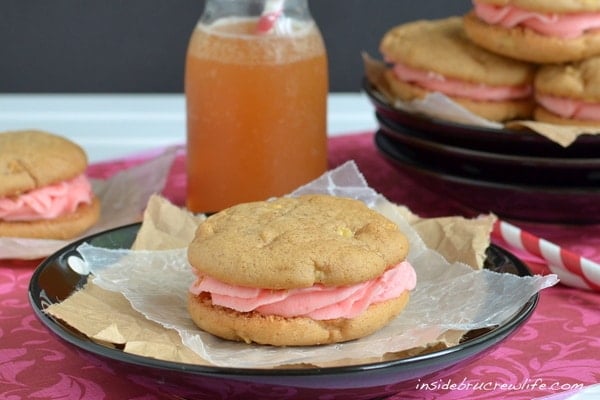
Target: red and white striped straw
{"type": "Point", "coordinates": [561, 261]}
{"type": "Point", "coordinates": [271, 13]}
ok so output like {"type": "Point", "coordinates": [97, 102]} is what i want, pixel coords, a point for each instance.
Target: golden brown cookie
{"type": "Point", "coordinates": [524, 43]}
{"type": "Point", "coordinates": [569, 94]}
{"type": "Point", "coordinates": [318, 248]}
{"type": "Point", "coordinates": [441, 49]}
{"type": "Point", "coordinates": [31, 160]}
{"type": "Point", "coordinates": [441, 46]}
{"type": "Point", "coordinates": [297, 242]}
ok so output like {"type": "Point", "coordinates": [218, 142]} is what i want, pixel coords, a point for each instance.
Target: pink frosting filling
{"type": "Point", "coordinates": [47, 202]}
{"type": "Point", "coordinates": [458, 88]}
{"type": "Point", "coordinates": [570, 108]}
{"type": "Point", "coordinates": [565, 26]}
{"type": "Point", "coordinates": [317, 302]}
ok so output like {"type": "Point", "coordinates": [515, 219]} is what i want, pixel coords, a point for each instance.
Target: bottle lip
{"type": "Point", "coordinates": [290, 9]}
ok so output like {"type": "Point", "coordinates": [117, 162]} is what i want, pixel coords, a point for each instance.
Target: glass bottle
{"type": "Point", "coordinates": [256, 86]}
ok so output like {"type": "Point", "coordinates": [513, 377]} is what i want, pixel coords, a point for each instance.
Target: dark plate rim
{"type": "Point", "coordinates": [456, 151]}
{"type": "Point", "coordinates": [488, 183]}
{"type": "Point", "coordinates": [65, 333]}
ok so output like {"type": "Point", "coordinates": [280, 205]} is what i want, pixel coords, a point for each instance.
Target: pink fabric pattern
{"type": "Point", "coordinates": [558, 348]}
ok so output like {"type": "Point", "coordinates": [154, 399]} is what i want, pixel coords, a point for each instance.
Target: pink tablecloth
{"type": "Point", "coordinates": [558, 349]}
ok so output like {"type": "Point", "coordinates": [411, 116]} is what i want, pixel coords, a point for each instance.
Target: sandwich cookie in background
{"type": "Point", "coordinates": [569, 94]}
{"type": "Point", "coordinates": [436, 56]}
{"type": "Point", "coordinates": [303, 271]}
{"type": "Point", "coordinates": [539, 31]}
{"type": "Point", "coordinates": [44, 193]}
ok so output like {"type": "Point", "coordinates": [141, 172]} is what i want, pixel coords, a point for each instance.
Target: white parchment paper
{"type": "Point", "coordinates": [447, 297]}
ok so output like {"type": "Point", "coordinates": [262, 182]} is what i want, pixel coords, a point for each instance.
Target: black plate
{"type": "Point", "coordinates": [53, 281]}
{"type": "Point", "coordinates": [481, 138]}
{"type": "Point", "coordinates": [500, 167]}
{"type": "Point", "coordinates": [549, 204]}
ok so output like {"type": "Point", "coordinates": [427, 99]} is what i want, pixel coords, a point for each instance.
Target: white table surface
{"type": "Point", "coordinates": [110, 126]}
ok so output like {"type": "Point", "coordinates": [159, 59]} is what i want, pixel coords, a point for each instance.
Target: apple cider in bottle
{"type": "Point", "coordinates": [256, 86]}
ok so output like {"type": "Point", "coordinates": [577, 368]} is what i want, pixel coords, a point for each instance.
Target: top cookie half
{"type": "Point", "coordinates": [31, 159]}
{"type": "Point", "coordinates": [297, 242]}
{"type": "Point", "coordinates": [442, 47]}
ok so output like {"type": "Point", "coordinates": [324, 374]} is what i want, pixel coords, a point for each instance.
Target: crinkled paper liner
{"type": "Point", "coordinates": [448, 297]}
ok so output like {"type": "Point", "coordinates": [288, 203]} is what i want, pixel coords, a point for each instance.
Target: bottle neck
{"type": "Point", "coordinates": [290, 9]}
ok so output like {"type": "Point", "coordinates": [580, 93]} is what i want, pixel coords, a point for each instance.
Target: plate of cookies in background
{"type": "Point", "coordinates": [508, 95]}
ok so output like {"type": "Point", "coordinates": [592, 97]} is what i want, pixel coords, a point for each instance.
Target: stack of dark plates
{"type": "Point", "coordinates": [515, 174]}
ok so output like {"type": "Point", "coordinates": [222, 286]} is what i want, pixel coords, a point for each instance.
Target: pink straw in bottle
{"type": "Point", "coordinates": [272, 11]}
